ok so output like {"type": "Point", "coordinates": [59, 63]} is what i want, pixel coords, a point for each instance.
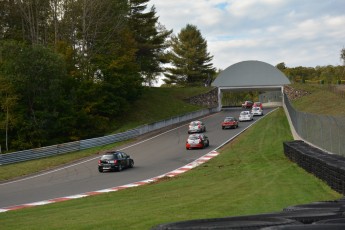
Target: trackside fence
{"type": "Point", "coordinates": [326, 132]}
{"type": "Point", "coordinates": [53, 150]}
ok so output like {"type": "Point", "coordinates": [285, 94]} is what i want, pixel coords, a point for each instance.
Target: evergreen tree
{"type": "Point", "coordinates": [342, 55]}
{"type": "Point", "coordinates": [190, 59]}
{"type": "Point", "coordinates": [150, 37]}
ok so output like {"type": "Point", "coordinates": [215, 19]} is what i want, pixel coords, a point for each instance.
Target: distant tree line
{"type": "Point", "coordinates": [69, 69]}
{"type": "Point", "coordinates": [320, 74]}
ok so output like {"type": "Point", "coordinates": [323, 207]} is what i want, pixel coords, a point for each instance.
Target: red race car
{"type": "Point", "coordinates": [230, 122]}
{"type": "Point", "coordinates": [247, 105]}
{"type": "Point", "coordinates": [257, 104]}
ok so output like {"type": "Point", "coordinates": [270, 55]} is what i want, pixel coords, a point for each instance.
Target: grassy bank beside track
{"type": "Point", "coordinates": [250, 176]}
{"type": "Point", "coordinates": [319, 100]}
{"type": "Point", "coordinates": [158, 104]}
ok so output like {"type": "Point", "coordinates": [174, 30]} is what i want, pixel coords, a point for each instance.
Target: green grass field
{"type": "Point", "coordinates": [250, 176]}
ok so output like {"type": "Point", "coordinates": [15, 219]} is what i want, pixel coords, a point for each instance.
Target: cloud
{"type": "Point", "coordinates": [300, 33]}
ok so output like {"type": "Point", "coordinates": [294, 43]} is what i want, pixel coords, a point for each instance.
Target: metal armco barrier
{"type": "Point", "coordinates": [53, 150]}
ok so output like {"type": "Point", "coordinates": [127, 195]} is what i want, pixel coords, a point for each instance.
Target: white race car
{"type": "Point", "coordinates": [257, 111]}
{"type": "Point", "coordinates": [245, 116]}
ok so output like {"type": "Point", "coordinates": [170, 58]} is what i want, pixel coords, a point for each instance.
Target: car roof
{"type": "Point", "coordinates": [111, 152]}
{"type": "Point", "coordinates": [195, 135]}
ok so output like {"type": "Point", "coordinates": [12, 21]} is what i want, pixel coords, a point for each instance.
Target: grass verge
{"type": "Point", "coordinates": [250, 176]}
{"type": "Point", "coordinates": [319, 101]}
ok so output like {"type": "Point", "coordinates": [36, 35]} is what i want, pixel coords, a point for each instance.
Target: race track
{"type": "Point", "coordinates": [155, 156]}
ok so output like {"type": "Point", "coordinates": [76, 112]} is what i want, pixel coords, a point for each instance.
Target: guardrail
{"type": "Point", "coordinates": [68, 147]}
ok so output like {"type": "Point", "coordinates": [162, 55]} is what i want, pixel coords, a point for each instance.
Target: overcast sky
{"type": "Point", "coordinates": [297, 32]}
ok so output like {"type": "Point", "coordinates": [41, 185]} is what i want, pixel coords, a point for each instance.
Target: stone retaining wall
{"type": "Point", "coordinates": [209, 99]}
{"type": "Point", "coordinates": [293, 93]}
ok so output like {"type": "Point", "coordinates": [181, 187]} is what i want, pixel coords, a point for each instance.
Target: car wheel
{"type": "Point", "coordinates": [208, 143]}
{"type": "Point", "coordinates": [119, 169]}
{"type": "Point", "coordinates": [222, 127]}
{"type": "Point", "coordinates": [131, 164]}
{"type": "Point", "coordinates": [100, 170]}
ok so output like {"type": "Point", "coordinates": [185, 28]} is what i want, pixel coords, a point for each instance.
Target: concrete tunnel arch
{"type": "Point", "coordinates": [249, 75]}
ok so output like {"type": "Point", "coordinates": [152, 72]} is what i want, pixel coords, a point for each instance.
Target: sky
{"type": "Point", "coordinates": [306, 33]}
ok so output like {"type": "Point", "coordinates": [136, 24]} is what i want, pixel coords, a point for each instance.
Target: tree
{"type": "Point", "coordinates": [35, 15]}
{"type": "Point", "coordinates": [328, 74]}
{"type": "Point", "coordinates": [8, 101]}
{"type": "Point", "coordinates": [189, 58]}
{"type": "Point", "coordinates": [342, 57]}
{"type": "Point", "coordinates": [151, 39]}
{"type": "Point", "coordinates": [91, 27]}
{"type": "Point", "coordinates": [10, 21]}
{"type": "Point", "coordinates": [281, 66]}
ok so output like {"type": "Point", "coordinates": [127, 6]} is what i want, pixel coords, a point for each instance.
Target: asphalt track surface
{"type": "Point", "coordinates": [153, 156]}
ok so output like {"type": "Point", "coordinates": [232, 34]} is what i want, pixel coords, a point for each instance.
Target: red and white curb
{"type": "Point", "coordinates": [176, 172]}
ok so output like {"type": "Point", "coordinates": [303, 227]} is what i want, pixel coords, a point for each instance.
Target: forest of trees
{"type": "Point", "coordinates": [70, 68]}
